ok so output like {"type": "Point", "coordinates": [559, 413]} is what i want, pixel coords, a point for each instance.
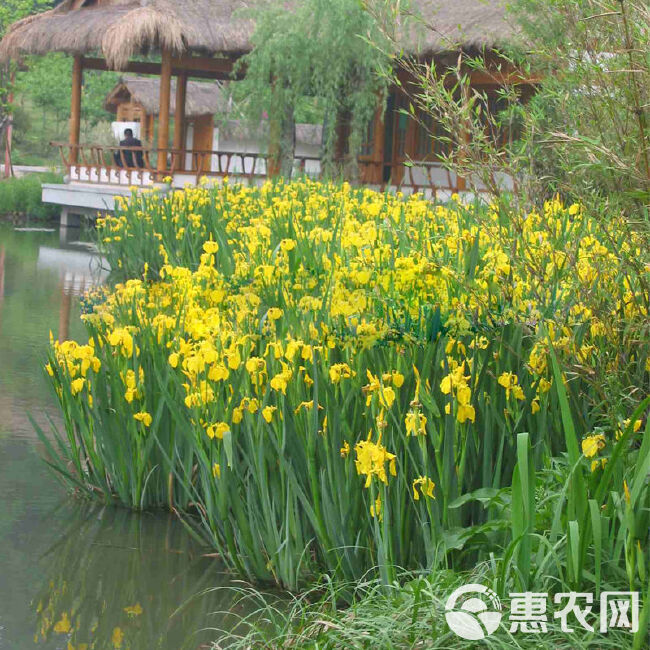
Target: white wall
{"type": "Point", "coordinates": [118, 129]}
{"type": "Point", "coordinates": [246, 162]}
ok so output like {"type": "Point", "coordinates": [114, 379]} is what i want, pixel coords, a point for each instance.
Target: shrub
{"type": "Point", "coordinates": [23, 196]}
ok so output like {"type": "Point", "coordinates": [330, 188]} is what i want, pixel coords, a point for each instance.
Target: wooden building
{"type": "Point", "coordinates": [203, 39]}
{"type": "Point", "coordinates": [137, 99]}
{"type": "Point", "coordinates": [212, 123]}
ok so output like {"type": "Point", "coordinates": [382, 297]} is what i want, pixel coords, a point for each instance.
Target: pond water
{"type": "Point", "coordinates": [75, 575]}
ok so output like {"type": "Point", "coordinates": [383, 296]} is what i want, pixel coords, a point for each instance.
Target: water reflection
{"type": "Point", "coordinates": [116, 580]}
{"type": "Point", "coordinates": [78, 271]}
{"type": "Point", "coordinates": [35, 299]}
{"type": "Point", "coordinates": [72, 573]}
{"type": "Point", "coordinates": [2, 272]}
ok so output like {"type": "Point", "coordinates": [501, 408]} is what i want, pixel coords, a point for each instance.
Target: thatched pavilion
{"type": "Point", "coordinates": [137, 99]}
{"type": "Point", "coordinates": [200, 39]}
{"type": "Point", "coordinates": [204, 39]}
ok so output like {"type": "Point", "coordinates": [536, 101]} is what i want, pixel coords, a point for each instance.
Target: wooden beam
{"type": "Point", "coordinates": [75, 108]}
{"type": "Point", "coordinates": [163, 117]}
{"type": "Point", "coordinates": [201, 68]}
{"type": "Point", "coordinates": [203, 64]}
{"type": "Point", "coordinates": [179, 119]}
{"type": "Point", "coordinates": [138, 67]}
{"type": "Point", "coordinates": [206, 74]}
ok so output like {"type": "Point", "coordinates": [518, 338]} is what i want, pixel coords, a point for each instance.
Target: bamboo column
{"type": "Point", "coordinates": [163, 118]}
{"type": "Point", "coordinates": [75, 108]}
{"type": "Point", "coordinates": [179, 121]}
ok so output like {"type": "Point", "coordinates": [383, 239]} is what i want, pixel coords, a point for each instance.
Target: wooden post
{"type": "Point", "coordinates": [75, 108]}
{"type": "Point", "coordinates": [465, 136]}
{"type": "Point", "coordinates": [163, 118]}
{"type": "Point", "coordinates": [10, 128]}
{"type": "Point", "coordinates": [148, 122]}
{"type": "Point", "coordinates": [179, 121]}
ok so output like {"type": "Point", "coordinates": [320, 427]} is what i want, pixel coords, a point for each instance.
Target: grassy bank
{"type": "Point", "coordinates": [21, 197]}
{"type": "Point", "coordinates": [327, 379]}
{"type": "Point", "coordinates": [367, 614]}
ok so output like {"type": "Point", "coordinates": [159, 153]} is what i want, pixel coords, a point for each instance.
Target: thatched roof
{"type": "Point", "coordinates": [203, 98]}
{"type": "Point", "coordinates": [121, 29]}
{"type": "Point", "coordinates": [438, 26]}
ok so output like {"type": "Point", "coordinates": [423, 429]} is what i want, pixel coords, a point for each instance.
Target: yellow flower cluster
{"type": "Point", "coordinates": [262, 291]}
{"type": "Point", "coordinates": [372, 458]}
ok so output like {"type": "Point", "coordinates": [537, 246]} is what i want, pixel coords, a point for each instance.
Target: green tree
{"type": "Point", "coordinates": [10, 12]}
{"type": "Point", "coordinates": [97, 85]}
{"type": "Point", "coordinates": [334, 50]}
{"type": "Point", "coordinates": [47, 81]}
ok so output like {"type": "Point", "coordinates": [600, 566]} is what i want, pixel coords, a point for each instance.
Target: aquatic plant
{"type": "Point", "coordinates": [321, 378]}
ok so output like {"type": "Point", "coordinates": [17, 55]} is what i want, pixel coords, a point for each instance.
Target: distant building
{"type": "Point", "coordinates": [135, 102]}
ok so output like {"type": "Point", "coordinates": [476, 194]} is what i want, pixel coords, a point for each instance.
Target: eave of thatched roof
{"type": "Point", "coordinates": [122, 29]}
{"type": "Point", "coordinates": [203, 98]}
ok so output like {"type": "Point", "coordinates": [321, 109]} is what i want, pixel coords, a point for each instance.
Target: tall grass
{"type": "Point", "coordinates": [407, 614]}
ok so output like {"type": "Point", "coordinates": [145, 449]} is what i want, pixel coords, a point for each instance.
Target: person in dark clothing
{"type": "Point", "coordinates": [126, 156]}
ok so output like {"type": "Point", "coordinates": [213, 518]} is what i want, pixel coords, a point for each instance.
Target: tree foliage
{"type": "Point", "coordinates": [10, 12]}
{"type": "Point", "coordinates": [13, 10]}
{"type": "Point", "coordinates": [47, 81]}
{"type": "Point", "coordinates": [589, 119]}
{"type": "Point", "coordinates": [334, 50]}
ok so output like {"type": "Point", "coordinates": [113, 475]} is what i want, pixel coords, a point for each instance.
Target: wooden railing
{"type": "Point", "coordinates": [114, 165]}
{"type": "Point", "coordinates": [412, 177]}
{"type": "Point", "coordinates": [139, 165]}
{"type": "Point", "coordinates": [99, 164]}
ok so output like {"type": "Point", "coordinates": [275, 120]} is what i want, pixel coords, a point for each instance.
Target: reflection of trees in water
{"type": "Point", "coordinates": [120, 580]}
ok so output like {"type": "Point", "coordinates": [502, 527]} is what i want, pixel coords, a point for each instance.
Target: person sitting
{"type": "Point", "coordinates": [125, 156]}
